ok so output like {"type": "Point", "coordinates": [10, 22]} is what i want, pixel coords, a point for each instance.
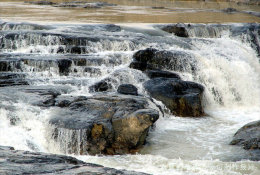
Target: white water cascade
{"type": "Point", "coordinates": [226, 65]}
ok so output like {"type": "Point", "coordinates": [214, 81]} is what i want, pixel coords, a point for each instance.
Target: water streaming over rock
{"type": "Point", "coordinates": [72, 58]}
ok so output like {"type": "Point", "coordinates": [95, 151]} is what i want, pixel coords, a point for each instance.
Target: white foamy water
{"type": "Point", "coordinates": [228, 68]}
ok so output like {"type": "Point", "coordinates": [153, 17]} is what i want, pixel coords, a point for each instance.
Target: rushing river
{"type": "Point", "coordinates": [227, 65]}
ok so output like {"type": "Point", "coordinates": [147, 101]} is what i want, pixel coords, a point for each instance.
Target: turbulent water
{"type": "Point", "coordinates": [227, 65]}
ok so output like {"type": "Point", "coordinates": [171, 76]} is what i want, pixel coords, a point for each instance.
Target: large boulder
{"type": "Point", "coordinates": [153, 59]}
{"type": "Point", "coordinates": [183, 98]}
{"type": "Point", "coordinates": [248, 136]}
{"type": "Point", "coordinates": [111, 124]}
{"type": "Point", "coordinates": [26, 162]}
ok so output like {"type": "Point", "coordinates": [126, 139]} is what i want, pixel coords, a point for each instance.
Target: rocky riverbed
{"type": "Point", "coordinates": [177, 98]}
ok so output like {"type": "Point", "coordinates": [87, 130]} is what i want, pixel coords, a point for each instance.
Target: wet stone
{"type": "Point", "coordinates": [177, 29]}
{"type": "Point", "coordinates": [102, 124]}
{"type": "Point", "coordinates": [25, 162]}
{"type": "Point", "coordinates": [183, 98]}
{"type": "Point", "coordinates": [153, 59]}
{"type": "Point", "coordinates": [248, 136]}
{"type": "Point", "coordinates": [127, 89]}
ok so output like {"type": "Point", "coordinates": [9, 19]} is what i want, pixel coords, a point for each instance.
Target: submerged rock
{"type": "Point", "coordinates": [183, 98]}
{"type": "Point", "coordinates": [248, 136]}
{"type": "Point", "coordinates": [25, 162]}
{"type": "Point", "coordinates": [127, 89]}
{"type": "Point", "coordinates": [112, 124]}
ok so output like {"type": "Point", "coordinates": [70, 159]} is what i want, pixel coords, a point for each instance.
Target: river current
{"type": "Point", "coordinates": [227, 65]}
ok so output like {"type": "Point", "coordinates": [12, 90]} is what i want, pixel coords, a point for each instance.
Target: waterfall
{"type": "Point", "coordinates": [223, 58]}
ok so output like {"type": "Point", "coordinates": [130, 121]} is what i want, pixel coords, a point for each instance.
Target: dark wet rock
{"type": "Point", "coordinates": [101, 86]}
{"type": "Point", "coordinates": [177, 29]}
{"type": "Point", "coordinates": [153, 59]}
{"type": "Point", "coordinates": [127, 89]}
{"type": "Point", "coordinates": [183, 98]}
{"type": "Point", "coordinates": [76, 50]}
{"type": "Point", "coordinates": [230, 10]}
{"type": "Point", "coordinates": [112, 124]}
{"type": "Point", "coordinates": [25, 162]}
{"type": "Point", "coordinates": [198, 30]}
{"type": "Point", "coordinates": [158, 8]}
{"type": "Point", "coordinates": [64, 66]}
{"type": "Point", "coordinates": [40, 2]}
{"type": "Point", "coordinates": [12, 79]}
{"type": "Point", "coordinates": [248, 136]}
{"type": "Point", "coordinates": [9, 65]}
{"type": "Point", "coordinates": [160, 73]}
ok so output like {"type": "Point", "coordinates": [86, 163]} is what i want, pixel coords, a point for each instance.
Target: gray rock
{"type": "Point", "coordinates": [127, 89]}
{"type": "Point", "coordinates": [183, 98]}
{"type": "Point", "coordinates": [248, 136]}
{"type": "Point", "coordinates": [177, 29]}
{"type": "Point", "coordinates": [153, 59]}
{"type": "Point", "coordinates": [108, 124]}
{"type": "Point", "coordinates": [25, 162]}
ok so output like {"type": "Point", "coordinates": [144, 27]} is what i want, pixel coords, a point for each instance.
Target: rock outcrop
{"type": "Point", "coordinates": [25, 162]}
{"type": "Point", "coordinates": [111, 124]}
{"type": "Point", "coordinates": [183, 98]}
{"type": "Point", "coordinates": [248, 136]}
{"type": "Point", "coordinates": [153, 59]}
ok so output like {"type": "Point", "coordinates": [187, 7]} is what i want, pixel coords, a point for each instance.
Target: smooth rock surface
{"type": "Point", "coordinates": [127, 89]}
{"type": "Point", "coordinates": [153, 59]}
{"type": "Point", "coordinates": [25, 162]}
{"type": "Point", "coordinates": [183, 98]}
{"type": "Point", "coordinates": [248, 136]}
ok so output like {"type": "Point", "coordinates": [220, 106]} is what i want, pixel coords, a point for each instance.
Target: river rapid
{"type": "Point", "coordinates": [227, 65]}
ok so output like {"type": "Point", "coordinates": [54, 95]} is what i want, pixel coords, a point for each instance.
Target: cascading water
{"type": "Point", "coordinates": [70, 59]}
